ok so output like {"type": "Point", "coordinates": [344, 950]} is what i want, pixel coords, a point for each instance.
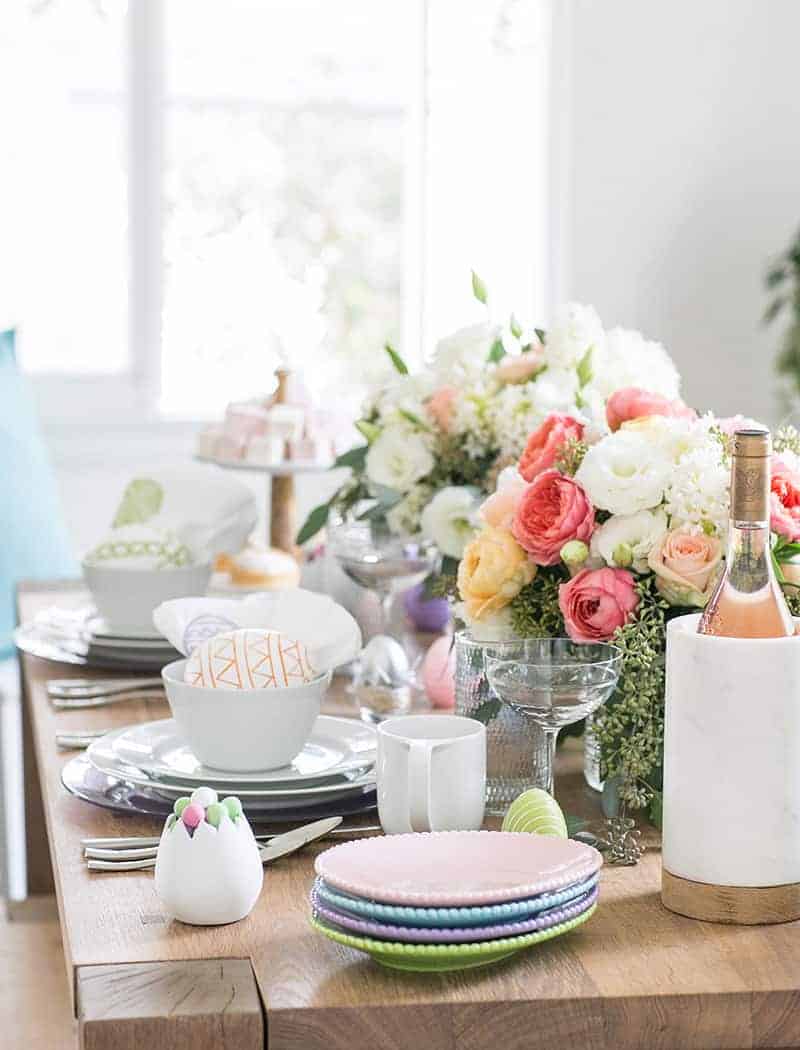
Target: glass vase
{"type": "Point", "coordinates": [516, 749]}
{"type": "Point", "coordinates": [591, 756]}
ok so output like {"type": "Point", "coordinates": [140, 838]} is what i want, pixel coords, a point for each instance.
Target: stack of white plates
{"type": "Point", "coordinates": [335, 769]}
{"type": "Point", "coordinates": [80, 636]}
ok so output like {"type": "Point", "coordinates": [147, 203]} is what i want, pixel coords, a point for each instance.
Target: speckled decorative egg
{"type": "Point", "coordinates": [438, 673]}
{"type": "Point", "coordinates": [249, 659]}
{"type": "Point", "coordinates": [537, 812]}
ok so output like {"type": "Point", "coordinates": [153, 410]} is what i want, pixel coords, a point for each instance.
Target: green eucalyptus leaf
{"type": "Point", "coordinates": [413, 419]}
{"type": "Point", "coordinates": [541, 335]}
{"type": "Point", "coordinates": [369, 430]}
{"type": "Point", "coordinates": [497, 352]}
{"type": "Point", "coordinates": [316, 520]}
{"type": "Point", "coordinates": [584, 369]}
{"type": "Point", "coordinates": [610, 799]}
{"type": "Point", "coordinates": [656, 809]}
{"type": "Point", "coordinates": [355, 458]}
{"type": "Point", "coordinates": [515, 327]}
{"type": "Point", "coordinates": [479, 289]}
{"type": "Point", "coordinates": [396, 360]}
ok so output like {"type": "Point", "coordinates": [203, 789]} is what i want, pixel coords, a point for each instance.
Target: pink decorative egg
{"type": "Point", "coordinates": [249, 659]}
{"type": "Point", "coordinates": [438, 672]}
{"type": "Point", "coordinates": [193, 815]}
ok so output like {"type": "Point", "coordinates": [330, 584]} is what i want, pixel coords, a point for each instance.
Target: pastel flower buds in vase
{"type": "Point", "coordinates": [208, 867]}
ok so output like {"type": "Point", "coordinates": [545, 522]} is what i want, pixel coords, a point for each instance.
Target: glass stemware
{"type": "Point", "coordinates": [553, 682]}
{"type": "Point", "coordinates": [380, 560]}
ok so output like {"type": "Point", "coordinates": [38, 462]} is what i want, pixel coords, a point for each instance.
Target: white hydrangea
{"type": "Point", "coordinates": [450, 519]}
{"type": "Point", "coordinates": [626, 359]}
{"type": "Point", "coordinates": [698, 493]}
{"type": "Point", "coordinates": [398, 457]}
{"type": "Point", "coordinates": [405, 517]}
{"type": "Point", "coordinates": [625, 473]}
{"type": "Point", "coordinates": [625, 540]}
{"type": "Point", "coordinates": [473, 421]}
{"type": "Point", "coordinates": [406, 393]}
{"type": "Point", "coordinates": [492, 627]}
{"type": "Point", "coordinates": [574, 330]}
{"type": "Point", "coordinates": [465, 353]}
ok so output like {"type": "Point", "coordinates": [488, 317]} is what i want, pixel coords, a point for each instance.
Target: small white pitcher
{"type": "Point", "coordinates": [431, 773]}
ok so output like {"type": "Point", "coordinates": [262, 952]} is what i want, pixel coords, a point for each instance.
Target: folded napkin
{"type": "Point", "coordinates": [203, 506]}
{"type": "Point", "coordinates": [329, 633]}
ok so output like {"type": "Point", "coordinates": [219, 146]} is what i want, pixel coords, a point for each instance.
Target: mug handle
{"type": "Point", "coordinates": [419, 785]}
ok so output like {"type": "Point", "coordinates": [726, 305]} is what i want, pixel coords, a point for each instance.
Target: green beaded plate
{"type": "Point", "coordinates": [438, 958]}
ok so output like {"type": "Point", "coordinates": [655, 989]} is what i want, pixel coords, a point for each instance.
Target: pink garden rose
{"type": "Point", "coordinates": [596, 602]}
{"type": "Point", "coordinates": [685, 566]}
{"type": "Point", "coordinates": [520, 367]}
{"type": "Point", "coordinates": [440, 406]}
{"type": "Point", "coordinates": [784, 500]}
{"type": "Point", "coordinates": [634, 403]}
{"type": "Point", "coordinates": [546, 442]}
{"type": "Point", "coordinates": [553, 510]}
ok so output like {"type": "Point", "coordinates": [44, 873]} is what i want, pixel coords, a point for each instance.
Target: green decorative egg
{"type": "Point", "coordinates": [233, 806]}
{"type": "Point", "coordinates": [215, 813]}
{"type": "Point", "coordinates": [537, 812]}
{"type": "Point", "coordinates": [180, 805]}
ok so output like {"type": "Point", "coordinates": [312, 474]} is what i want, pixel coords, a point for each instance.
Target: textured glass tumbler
{"type": "Point", "coordinates": [516, 749]}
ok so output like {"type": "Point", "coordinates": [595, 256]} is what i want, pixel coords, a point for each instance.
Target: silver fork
{"type": "Point", "coordinates": [104, 699]}
{"type": "Point", "coordinates": [86, 688]}
{"type": "Point", "coordinates": [79, 739]}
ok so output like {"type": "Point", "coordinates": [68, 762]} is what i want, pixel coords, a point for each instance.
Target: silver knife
{"type": "Point", "coordinates": [298, 838]}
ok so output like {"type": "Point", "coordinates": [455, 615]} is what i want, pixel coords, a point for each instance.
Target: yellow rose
{"type": "Point", "coordinates": [493, 570]}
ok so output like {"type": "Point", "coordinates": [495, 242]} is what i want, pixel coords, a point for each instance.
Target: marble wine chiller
{"type": "Point", "coordinates": [731, 825]}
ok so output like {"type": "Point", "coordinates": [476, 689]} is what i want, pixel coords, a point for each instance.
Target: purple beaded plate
{"type": "Point", "coordinates": [464, 935]}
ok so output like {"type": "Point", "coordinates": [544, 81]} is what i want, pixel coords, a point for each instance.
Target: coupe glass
{"type": "Point", "coordinates": [554, 682]}
{"type": "Point", "coordinates": [381, 561]}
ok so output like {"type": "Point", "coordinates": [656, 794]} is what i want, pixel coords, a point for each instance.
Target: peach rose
{"type": "Point", "coordinates": [596, 602]}
{"type": "Point", "coordinates": [441, 405]}
{"type": "Point", "coordinates": [635, 403]}
{"type": "Point", "coordinates": [499, 509]}
{"type": "Point", "coordinates": [553, 510]}
{"type": "Point", "coordinates": [521, 367]}
{"type": "Point", "coordinates": [784, 500]}
{"type": "Point", "coordinates": [546, 442]}
{"type": "Point", "coordinates": [492, 572]}
{"type": "Point", "coordinates": [685, 566]}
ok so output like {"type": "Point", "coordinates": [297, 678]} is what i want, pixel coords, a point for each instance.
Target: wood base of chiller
{"type": "Point", "coordinates": [738, 905]}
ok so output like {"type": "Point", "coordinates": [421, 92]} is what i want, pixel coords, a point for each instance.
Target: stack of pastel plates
{"type": "Point", "coordinates": [453, 900]}
{"type": "Point", "coordinates": [147, 766]}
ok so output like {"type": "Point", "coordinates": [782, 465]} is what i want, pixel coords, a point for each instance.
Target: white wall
{"type": "Point", "coordinates": [684, 178]}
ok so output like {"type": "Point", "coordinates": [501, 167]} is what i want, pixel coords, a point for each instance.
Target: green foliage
{"type": "Point", "coordinates": [479, 289]}
{"type": "Point", "coordinates": [585, 371]}
{"type": "Point", "coordinates": [497, 352]}
{"type": "Point", "coordinates": [396, 359]}
{"type": "Point", "coordinates": [355, 458]}
{"type": "Point", "coordinates": [783, 282]}
{"type": "Point", "coordinates": [316, 520]}
{"type": "Point", "coordinates": [541, 335]}
{"type": "Point", "coordinates": [787, 438]}
{"type": "Point", "coordinates": [368, 429]}
{"type": "Point", "coordinates": [515, 327]}
{"type": "Point", "coordinates": [535, 612]}
{"type": "Point", "coordinates": [571, 456]}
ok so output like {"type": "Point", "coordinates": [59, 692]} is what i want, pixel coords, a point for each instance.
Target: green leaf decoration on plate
{"type": "Point", "coordinates": [141, 501]}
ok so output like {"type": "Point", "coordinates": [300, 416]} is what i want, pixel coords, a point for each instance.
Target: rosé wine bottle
{"type": "Point", "coordinates": [747, 601]}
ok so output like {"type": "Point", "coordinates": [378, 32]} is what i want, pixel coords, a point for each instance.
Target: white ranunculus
{"type": "Point", "coordinates": [628, 359]}
{"type": "Point", "coordinates": [407, 393]}
{"type": "Point", "coordinates": [492, 626]}
{"type": "Point", "coordinates": [450, 519]}
{"type": "Point", "coordinates": [574, 330]}
{"type": "Point", "coordinates": [624, 473]}
{"type": "Point", "coordinates": [465, 352]}
{"type": "Point", "coordinates": [555, 390]}
{"type": "Point", "coordinates": [398, 457]}
{"type": "Point", "coordinates": [625, 540]}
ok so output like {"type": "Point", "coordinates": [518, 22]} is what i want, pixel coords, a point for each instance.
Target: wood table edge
{"type": "Point", "coordinates": [216, 1002]}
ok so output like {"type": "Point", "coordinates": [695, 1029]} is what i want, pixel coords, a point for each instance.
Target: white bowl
{"type": "Point", "coordinates": [126, 598]}
{"type": "Point", "coordinates": [244, 730]}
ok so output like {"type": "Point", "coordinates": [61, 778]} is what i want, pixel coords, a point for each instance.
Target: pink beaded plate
{"type": "Point", "coordinates": [453, 868]}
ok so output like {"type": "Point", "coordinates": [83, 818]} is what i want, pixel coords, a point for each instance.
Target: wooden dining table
{"type": "Point", "coordinates": [635, 975]}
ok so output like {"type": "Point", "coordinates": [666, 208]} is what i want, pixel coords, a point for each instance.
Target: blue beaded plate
{"type": "Point", "coordinates": [478, 916]}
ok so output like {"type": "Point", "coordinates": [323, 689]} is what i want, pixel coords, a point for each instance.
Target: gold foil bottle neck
{"type": "Point", "coordinates": [750, 475]}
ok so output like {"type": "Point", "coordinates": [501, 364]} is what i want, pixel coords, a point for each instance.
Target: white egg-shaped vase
{"type": "Point", "coordinates": [211, 876]}
{"type": "Point", "coordinates": [731, 813]}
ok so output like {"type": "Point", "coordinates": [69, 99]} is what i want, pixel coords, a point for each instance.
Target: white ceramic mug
{"type": "Point", "coordinates": [431, 773]}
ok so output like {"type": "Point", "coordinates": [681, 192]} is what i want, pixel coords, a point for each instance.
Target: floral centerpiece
{"type": "Point", "coordinates": [604, 534]}
{"type": "Point", "coordinates": [434, 441]}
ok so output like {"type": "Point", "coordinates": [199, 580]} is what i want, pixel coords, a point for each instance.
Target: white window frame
{"type": "Point", "coordinates": [73, 404]}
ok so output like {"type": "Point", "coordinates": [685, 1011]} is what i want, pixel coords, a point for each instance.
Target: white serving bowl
{"type": "Point", "coordinates": [244, 730]}
{"type": "Point", "coordinates": [126, 598]}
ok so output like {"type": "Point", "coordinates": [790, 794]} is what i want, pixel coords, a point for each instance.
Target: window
{"type": "Point", "coordinates": [211, 187]}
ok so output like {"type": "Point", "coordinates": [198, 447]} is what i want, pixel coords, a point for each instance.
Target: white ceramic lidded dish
{"type": "Point", "coordinates": [244, 730]}
{"type": "Point", "coordinates": [126, 597]}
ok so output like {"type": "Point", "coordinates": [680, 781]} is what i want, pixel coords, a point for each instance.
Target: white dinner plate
{"type": "Point", "coordinates": [100, 631]}
{"type": "Point", "coordinates": [336, 746]}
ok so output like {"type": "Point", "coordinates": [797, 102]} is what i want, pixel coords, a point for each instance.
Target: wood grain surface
{"type": "Point", "coordinates": [636, 975]}
{"type": "Point", "coordinates": [743, 905]}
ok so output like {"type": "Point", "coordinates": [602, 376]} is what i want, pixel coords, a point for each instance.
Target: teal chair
{"type": "Point", "coordinates": [33, 538]}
